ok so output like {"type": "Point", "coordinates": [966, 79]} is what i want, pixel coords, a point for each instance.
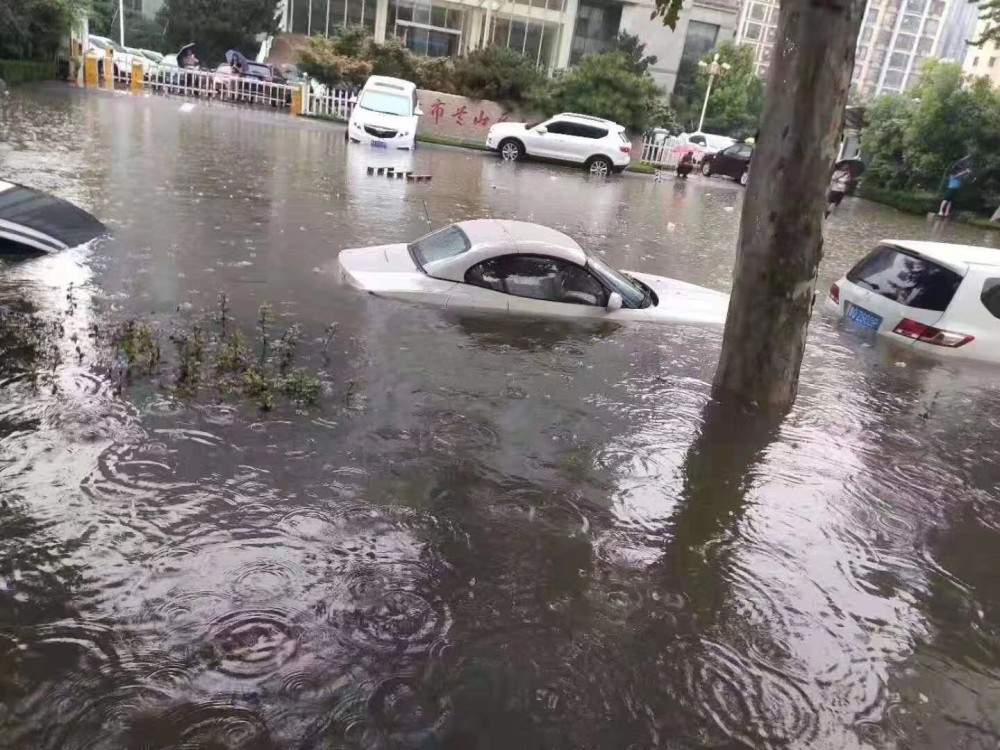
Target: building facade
{"type": "Point", "coordinates": [983, 60]}
{"type": "Point", "coordinates": [555, 33]}
{"type": "Point", "coordinates": [897, 36]}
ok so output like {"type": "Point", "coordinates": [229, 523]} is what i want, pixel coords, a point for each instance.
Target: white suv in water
{"type": "Point", "coordinates": [937, 298]}
{"type": "Point", "coordinates": [600, 146]}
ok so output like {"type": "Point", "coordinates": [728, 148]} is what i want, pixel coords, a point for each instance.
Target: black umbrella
{"type": "Point", "coordinates": [185, 51]}
{"type": "Point", "coordinates": [855, 166]}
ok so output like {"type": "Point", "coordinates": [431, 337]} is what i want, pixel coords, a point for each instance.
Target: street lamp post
{"type": "Point", "coordinates": [713, 69]}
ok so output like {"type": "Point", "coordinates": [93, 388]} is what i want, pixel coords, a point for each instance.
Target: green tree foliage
{"type": "Point", "coordinates": [140, 31]}
{"type": "Point", "coordinates": [322, 59]}
{"type": "Point", "coordinates": [497, 73]}
{"type": "Point", "coordinates": [630, 46]}
{"type": "Point", "coordinates": [606, 85]}
{"type": "Point", "coordinates": [216, 26]}
{"type": "Point", "coordinates": [737, 96]}
{"type": "Point", "coordinates": [33, 29]}
{"type": "Point", "coordinates": [913, 139]}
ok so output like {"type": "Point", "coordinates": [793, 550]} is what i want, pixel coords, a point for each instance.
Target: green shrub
{"type": "Point", "coordinates": [323, 61]}
{"type": "Point", "coordinates": [606, 85]}
{"type": "Point", "coordinates": [914, 202]}
{"type": "Point", "coordinates": [497, 73]}
{"type": "Point", "coordinates": [24, 71]}
{"type": "Point", "coordinates": [436, 74]}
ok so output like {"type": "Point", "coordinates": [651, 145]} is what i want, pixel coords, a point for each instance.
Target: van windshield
{"type": "Point", "coordinates": [387, 104]}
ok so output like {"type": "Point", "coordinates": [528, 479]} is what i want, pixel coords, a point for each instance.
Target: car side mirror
{"type": "Point", "coordinates": [541, 130]}
{"type": "Point", "coordinates": [418, 112]}
{"type": "Point", "coordinates": [614, 302]}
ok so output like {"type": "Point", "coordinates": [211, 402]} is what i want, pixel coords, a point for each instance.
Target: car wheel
{"type": "Point", "coordinates": [706, 169]}
{"type": "Point", "coordinates": [599, 166]}
{"type": "Point", "coordinates": [511, 150]}
{"type": "Point", "coordinates": [744, 178]}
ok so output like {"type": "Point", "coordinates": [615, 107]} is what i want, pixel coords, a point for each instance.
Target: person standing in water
{"type": "Point", "coordinates": [838, 186]}
{"type": "Point", "coordinates": [955, 183]}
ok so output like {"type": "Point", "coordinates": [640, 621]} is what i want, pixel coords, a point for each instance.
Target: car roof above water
{"type": "Point", "coordinates": [588, 120]}
{"type": "Point", "coordinates": [387, 82]}
{"type": "Point", "coordinates": [950, 255]}
{"type": "Point", "coordinates": [525, 236]}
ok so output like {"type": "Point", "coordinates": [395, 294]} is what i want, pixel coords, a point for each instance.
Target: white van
{"type": "Point", "coordinates": [385, 114]}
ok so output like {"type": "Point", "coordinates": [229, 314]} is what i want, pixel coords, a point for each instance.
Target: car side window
{"type": "Point", "coordinates": [699, 139]}
{"type": "Point", "coordinates": [559, 127]}
{"type": "Point", "coordinates": [990, 297]}
{"type": "Point", "coordinates": [539, 277]}
{"type": "Point", "coordinates": [589, 131]}
{"type": "Point", "coordinates": [746, 151]}
{"type": "Point", "coordinates": [731, 151]}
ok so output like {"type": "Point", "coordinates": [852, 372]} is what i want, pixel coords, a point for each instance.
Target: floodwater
{"type": "Point", "coordinates": [489, 535]}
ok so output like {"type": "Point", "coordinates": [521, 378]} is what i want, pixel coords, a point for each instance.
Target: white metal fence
{"type": "Point", "coordinates": [211, 85]}
{"type": "Point", "coordinates": [660, 151]}
{"type": "Point", "coordinates": [335, 103]}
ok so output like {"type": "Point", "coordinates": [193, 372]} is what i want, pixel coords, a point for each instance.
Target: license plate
{"type": "Point", "coordinates": [863, 318]}
{"type": "Point", "coordinates": [380, 144]}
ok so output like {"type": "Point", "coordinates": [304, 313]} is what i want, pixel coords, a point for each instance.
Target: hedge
{"type": "Point", "coordinates": [921, 203]}
{"type": "Point", "coordinates": [24, 71]}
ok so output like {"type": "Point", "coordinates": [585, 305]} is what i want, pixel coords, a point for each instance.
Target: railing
{"type": "Point", "coordinates": [662, 152]}
{"type": "Point", "coordinates": [334, 103]}
{"type": "Point", "coordinates": [210, 85]}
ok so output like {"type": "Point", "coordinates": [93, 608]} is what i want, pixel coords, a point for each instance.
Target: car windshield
{"type": "Point", "coordinates": [444, 243]}
{"type": "Point", "coordinates": [632, 294]}
{"type": "Point", "coordinates": [387, 104]}
{"type": "Point", "coordinates": [154, 56]}
{"type": "Point", "coordinates": [95, 42]}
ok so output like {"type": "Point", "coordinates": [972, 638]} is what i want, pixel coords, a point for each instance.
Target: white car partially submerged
{"type": "Point", "coordinates": [520, 268]}
{"type": "Point", "coordinates": [937, 298]}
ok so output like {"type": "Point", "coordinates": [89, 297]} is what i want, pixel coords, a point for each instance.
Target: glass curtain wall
{"type": "Point", "coordinates": [596, 27]}
{"type": "Point", "coordinates": [322, 17]}
{"type": "Point", "coordinates": [428, 28]}
{"type": "Point", "coordinates": [535, 39]}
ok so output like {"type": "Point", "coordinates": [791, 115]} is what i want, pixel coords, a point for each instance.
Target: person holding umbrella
{"type": "Point", "coordinates": [844, 172]}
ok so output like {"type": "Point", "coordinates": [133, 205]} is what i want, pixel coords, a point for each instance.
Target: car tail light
{"type": "Point", "coordinates": [625, 149]}
{"type": "Point", "coordinates": [911, 329]}
{"type": "Point", "coordinates": [835, 294]}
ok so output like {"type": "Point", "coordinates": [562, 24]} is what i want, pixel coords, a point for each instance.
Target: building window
{"type": "Point", "coordinates": [535, 40]}
{"type": "Point", "coordinates": [925, 45]}
{"type": "Point", "coordinates": [905, 42]}
{"type": "Point", "coordinates": [758, 11]}
{"type": "Point", "coordinates": [327, 15]}
{"type": "Point", "coordinates": [910, 23]}
{"type": "Point", "coordinates": [595, 29]}
{"type": "Point", "coordinates": [916, 6]}
{"type": "Point", "coordinates": [975, 62]}
{"type": "Point", "coordinates": [752, 31]}
{"type": "Point", "coordinates": [893, 79]}
{"type": "Point", "coordinates": [931, 27]}
{"type": "Point", "coordinates": [429, 29]}
{"type": "Point", "coordinates": [937, 8]}
{"type": "Point", "coordinates": [898, 60]}
{"type": "Point", "coordinates": [700, 39]}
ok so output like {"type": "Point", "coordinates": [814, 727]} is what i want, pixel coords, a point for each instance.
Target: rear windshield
{"type": "Point", "coordinates": [906, 278]}
{"type": "Point", "coordinates": [444, 243]}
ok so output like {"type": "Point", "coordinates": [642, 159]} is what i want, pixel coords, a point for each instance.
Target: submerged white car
{"type": "Point", "coordinates": [933, 297]}
{"type": "Point", "coordinates": [386, 114]}
{"type": "Point", "coordinates": [520, 268]}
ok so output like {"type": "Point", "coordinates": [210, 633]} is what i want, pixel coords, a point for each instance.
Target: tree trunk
{"type": "Point", "coordinates": [781, 229]}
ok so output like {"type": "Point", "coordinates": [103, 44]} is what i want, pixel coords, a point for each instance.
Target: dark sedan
{"type": "Point", "coordinates": [732, 162]}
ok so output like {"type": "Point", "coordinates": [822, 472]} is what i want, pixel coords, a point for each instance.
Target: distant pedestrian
{"type": "Point", "coordinates": [955, 183]}
{"type": "Point", "coordinates": [838, 186]}
{"type": "Point", "coordinates": [685, 166]}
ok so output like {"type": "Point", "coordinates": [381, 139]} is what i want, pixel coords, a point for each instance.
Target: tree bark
{"type": "Point", "coordinates": [781, 229]}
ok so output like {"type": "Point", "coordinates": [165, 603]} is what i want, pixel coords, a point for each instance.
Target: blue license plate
{"type": "Point", "coordinates": [863, 318]}
{"type": "Point", "coordinates": [380, 144]}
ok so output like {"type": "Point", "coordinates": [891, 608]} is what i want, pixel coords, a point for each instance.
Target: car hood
{"type": "Point", "coordinates": [682, 302]}
{"type": "Point", "coordinates": [381, 119]}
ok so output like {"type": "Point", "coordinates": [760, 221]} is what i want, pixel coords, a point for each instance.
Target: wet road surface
{"type": "Point", "coordinates": [511, 535]}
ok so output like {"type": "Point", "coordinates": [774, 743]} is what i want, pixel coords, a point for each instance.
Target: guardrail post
{"type": "Point", "coordinates": [299, 94]}
{"type": "Point", "coordinates": [91, 78]}
{"type": "Point", "coordinates": [109, 69]}
{"type": "Point", "coordinates": [138, 74]}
